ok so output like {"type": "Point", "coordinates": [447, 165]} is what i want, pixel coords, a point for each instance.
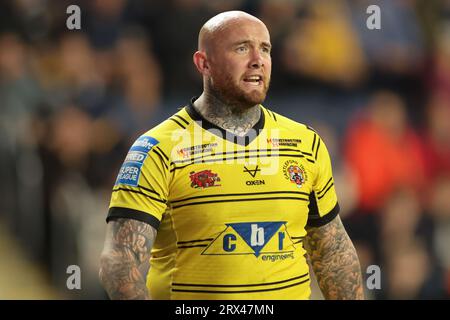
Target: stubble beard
{"type": "Point", "coordinates": [227, 91]}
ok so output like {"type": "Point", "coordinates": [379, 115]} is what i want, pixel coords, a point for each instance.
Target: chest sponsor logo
{"type": "Point", "coordinates": [274, 142]}
{"type": "Point", "coordinates": [198, 149]}
{"type": "Point", "coordinates": [204, 179]}
{"type": "Point", "coordinates": [253, 173]}
{"type": "Point", "coordinates": [261, 239]}
{"type": "Point", "coordinates": [295, 173]}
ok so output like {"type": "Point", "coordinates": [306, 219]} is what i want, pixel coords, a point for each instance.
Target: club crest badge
{"type": "Point", "coordinates": [295, 172]}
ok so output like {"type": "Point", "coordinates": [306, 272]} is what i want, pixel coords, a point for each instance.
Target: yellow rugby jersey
{"type": "Point", "coordinates": [230, 211]}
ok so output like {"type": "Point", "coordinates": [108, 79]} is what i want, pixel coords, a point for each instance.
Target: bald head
{"type": "Point", "coordinates": [214, 27]}
{"type": "Point", "coordinates": [234, 58]}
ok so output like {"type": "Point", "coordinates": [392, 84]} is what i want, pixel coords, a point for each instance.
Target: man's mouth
{"type": "Point", "coordinates": [254, 80]}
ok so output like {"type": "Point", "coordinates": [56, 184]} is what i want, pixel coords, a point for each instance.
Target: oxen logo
{"type": "Point", "coordinates": [204, 179]}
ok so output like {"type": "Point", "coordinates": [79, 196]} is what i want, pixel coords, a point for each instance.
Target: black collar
{"type": "Point", "coordinates": [224, 134]}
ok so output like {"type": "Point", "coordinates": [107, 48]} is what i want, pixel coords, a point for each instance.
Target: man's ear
{"type": "Point", "coordinates": [201, 62]}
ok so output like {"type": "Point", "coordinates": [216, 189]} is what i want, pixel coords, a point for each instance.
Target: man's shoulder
{"type": "Point", "coordinates": [178, 121]}
{"type": "Point", "coordinates": [292, 125]}
{"type": "Point", "coordinates": [166, 132]}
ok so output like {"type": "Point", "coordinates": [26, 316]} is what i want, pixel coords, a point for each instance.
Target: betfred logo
{"type": "Point", "coordinates": [204, 179]}
{"type": "Point", "coordinates": [253, 238]}
{"type": "Point", "coordinates": [144, 144]}
{"type": "Point", "coordinates": [131, 169]}
{"type": "Point", "coordinates": [135, 156]}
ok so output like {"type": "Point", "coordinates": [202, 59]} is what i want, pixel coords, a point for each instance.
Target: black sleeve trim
{"type": "Point", "coordinates": [181, 118]}
{"type": "Point", "coordinates": [126, 213]}
{"type": "Point", "coordinates": [178, 123]}
{"type": "Point", "coordinates": [323, 195]}
{"type": "Point", "coordinates": [161, 157]}
{"type": "Point", "coordinates": [162, 152]}
{"type": "Point", "coordinates": [317, 150]}
{"type": "Point", "coordinates": [314, 221]}
{"type": "Point", "coordinates": [139, 192]}
{"type": "Point", "coordinates": [326, 186]}
{"type": "Point", "coordinates": [314, 143]}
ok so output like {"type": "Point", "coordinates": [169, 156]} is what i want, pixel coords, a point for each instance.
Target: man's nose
{"type": "Point", "coordinates": [256, 60]}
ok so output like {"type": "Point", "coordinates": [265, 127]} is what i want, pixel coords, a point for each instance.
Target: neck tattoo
{"type": "Point", "coordinates": [229, 117]}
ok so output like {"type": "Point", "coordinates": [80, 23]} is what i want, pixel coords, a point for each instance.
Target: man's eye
{"type": "Point", "coordinates": [241, 49]}
{"type": "Point", "coordinates": [265, 50]}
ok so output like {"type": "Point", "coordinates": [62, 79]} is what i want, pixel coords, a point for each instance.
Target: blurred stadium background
{"type": "Point", "coordinates": [72, 102]}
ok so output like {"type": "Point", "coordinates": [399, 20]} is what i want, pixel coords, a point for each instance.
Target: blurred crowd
{"type": "Point", "coordinates": [72, 101]}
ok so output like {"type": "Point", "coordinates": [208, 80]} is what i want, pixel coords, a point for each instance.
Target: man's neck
{"type": "Point", "coordinates": [231, 118]}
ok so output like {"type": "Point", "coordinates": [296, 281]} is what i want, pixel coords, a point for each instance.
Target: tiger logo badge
{"type": "Point", "coordinates": [295, 172]}
{"type": "Point", "coordinates": [204, 179]}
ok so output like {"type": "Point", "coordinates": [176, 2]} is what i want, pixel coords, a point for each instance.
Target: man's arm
{"type": "Point", "coordinates": [124, 262]}
{"type": "Point", "coordinates": [334, 261]}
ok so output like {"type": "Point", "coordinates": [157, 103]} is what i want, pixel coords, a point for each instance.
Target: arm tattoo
{"type": "Point", "coordinates": [334, 261]}
{"type": "Point", "coordinates": [125, 259]}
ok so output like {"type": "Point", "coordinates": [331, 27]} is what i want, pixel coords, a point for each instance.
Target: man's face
{"type": "Point", "coordinates": [240, 63]}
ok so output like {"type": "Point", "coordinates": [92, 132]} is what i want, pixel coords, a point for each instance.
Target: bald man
{"type": "Point", "coordinates": [226, 199]}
